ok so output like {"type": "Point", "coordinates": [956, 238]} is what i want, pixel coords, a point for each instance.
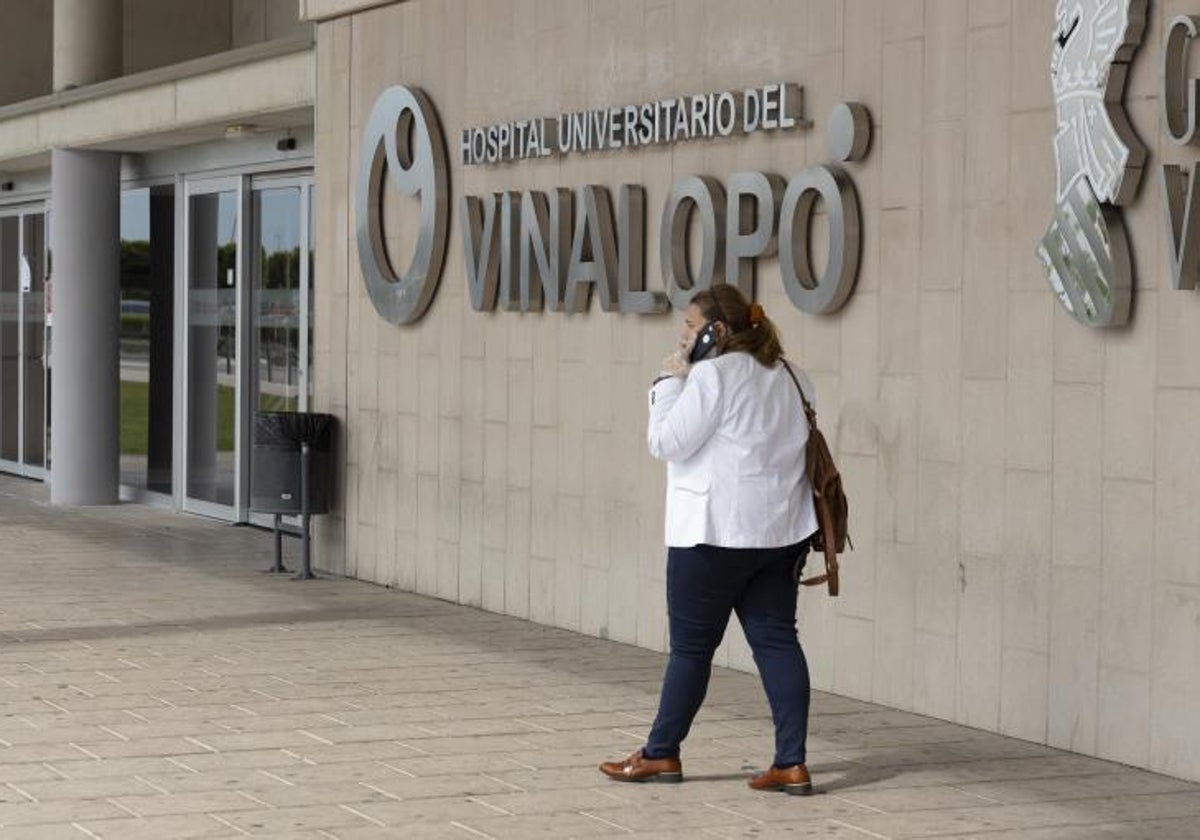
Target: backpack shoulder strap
{"type": "Point", "coordinates": [809, 411]}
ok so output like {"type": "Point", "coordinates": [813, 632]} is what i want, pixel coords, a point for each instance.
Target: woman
{"type": "Point", "coordinates": [729, 422]}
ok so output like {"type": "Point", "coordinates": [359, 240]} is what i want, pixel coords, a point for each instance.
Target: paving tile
{"type": "Point", "coordinates": [100, 768]}
{"type": "Point", "coordinates": [669, 816]}
{"type": "Point", "coordinates": [297, 819]}
{"type": "Point", "coordinates": [320, 834]}
{"type": "Point", "coordinates": [1131, 783]}
{"type": "Point", "coordinates": [267, 759]}
{"type": "Point", "coordinates": [253, 779]}
{"type": "Point", "coordinates": [544, 802]}
{"type": "Point", "coordinates": [99, 788]}
{"type": "Point", "coordinates": [155, 828]}
{"type": "Point", "coordinates": [35, 813]}
{"type": "Point", "coordinates": [443, 809]}
{"type": "Point", "coordinates": [543, 827]}
{"type": "Point", "coordinates": [374, 772]}
{"type": "Point", "coordinates": [465, 784]}
{"type": "Point", "coordinates": [26, 773]}
{"type": "Point", "coordinates": [411, 831]}
{"type": "Point", "coordinates": [288, 796]}
{"type": "Point", "coordinates": [491, 763]}
{"type": "Point", "coordinates": [925, 798]}
{"type": "Point", "coordinates": [202, 802]}
{"type": "Point", "coordinates": [819, 830]}
{"type": "Point", "coordinates": [59, 831]}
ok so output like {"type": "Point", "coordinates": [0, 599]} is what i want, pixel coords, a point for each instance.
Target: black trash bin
{"type": "Point", "coordinates": [291, 472]}
{"type": "Point", "coordinates": [275, 461]}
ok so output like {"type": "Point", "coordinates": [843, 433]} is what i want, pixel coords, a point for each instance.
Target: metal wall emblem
{"type": "Point", "coordinates": [1085, 252]}
{"type": "Point", "coordinates": [403, 139]}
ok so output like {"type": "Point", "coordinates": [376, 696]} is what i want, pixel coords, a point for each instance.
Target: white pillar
{"type": "Point", "coordinates": [85, 195]}
{"type": "Point", "coordinates": [85, 355]}
{"type": "Point", "coordinates": [87, 41]}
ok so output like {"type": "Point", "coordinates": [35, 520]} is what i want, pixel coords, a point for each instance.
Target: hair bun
{"type": "Point", "coordinates": [756, 314]}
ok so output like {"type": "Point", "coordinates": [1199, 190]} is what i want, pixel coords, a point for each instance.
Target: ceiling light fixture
{"type": "Point", "coordinates": [237, 130]}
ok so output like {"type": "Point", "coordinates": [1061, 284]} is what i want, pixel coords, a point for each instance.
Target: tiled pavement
{"type": "Point", "coordinates": [155, 684]}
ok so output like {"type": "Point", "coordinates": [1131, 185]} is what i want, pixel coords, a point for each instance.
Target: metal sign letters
{"type": "Point", "coordinates": [697, 117]}
{"type": "Point", "coordinates": [1180, 198]}
{"type": "Point", "coordinates": [556, 249]}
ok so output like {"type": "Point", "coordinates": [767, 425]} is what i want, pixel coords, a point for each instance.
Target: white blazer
{"type": "Point", "coordinates": [733, 435]}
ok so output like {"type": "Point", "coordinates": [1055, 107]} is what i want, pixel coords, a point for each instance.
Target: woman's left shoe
{"type": "Point", "coordinates": [638, 768]}
{"type": "Point", "coordinates": [793, 780]}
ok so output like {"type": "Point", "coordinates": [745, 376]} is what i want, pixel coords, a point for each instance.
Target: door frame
{"type": "Point", "coordinates": [194, 186]}
{"type": "Point", "coordinates": [284, 180]}
{"type": "Point", "coordinates": [20, 211]}
{"type": "Point", "coordinates": [136, 493]}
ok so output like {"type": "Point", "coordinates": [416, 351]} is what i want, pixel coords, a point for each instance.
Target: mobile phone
{"type": "Point", "coordinates": [706, 342]}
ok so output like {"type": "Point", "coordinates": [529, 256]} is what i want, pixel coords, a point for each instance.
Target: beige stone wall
{"type": "Point", "coordinates": [162, 32]}
{"type": "Point", "coordinates": [26, 49]}
{"type": "Point", "coordinates": [255, 21]}
{"type": "Point", "coordinates": [1027, 549]}
{"type": "Point", "coordinates": [158, 33]}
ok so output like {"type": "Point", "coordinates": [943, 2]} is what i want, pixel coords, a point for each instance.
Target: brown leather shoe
{"type": "Point", "coordinates": [792, 780]}
{"type": "Point", "coordinates": [636, 768]}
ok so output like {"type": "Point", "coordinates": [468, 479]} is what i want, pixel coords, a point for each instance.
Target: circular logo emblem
{"type": "Point", "coordinates": [404, 138]}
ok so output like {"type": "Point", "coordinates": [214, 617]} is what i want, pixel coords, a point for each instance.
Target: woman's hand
{"type": "Point", "coordinates": [675, 363]}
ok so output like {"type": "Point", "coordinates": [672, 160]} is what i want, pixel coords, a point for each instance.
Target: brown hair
{"type": "Point", "coordinates": [748, 329]}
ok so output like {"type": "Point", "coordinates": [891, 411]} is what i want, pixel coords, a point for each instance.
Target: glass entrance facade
{"type": "Point", "coordinates": [216, 302]}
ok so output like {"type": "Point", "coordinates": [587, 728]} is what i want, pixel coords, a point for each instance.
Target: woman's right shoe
{"type": "Point", "coordinates": [791, 780]}
{"type": "Point", "coordinates": [637, 768]}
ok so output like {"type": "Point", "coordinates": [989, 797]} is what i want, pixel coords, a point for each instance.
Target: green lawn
{"type": "Point", "coordinates": [135, 417]}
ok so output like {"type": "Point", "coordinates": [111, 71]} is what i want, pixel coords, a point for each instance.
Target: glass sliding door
{"type": "Point", "coordinates": [213, 435]}
{"type": "Point", "coordinates": [248, 337]}
{"type": "Point", "coordinates": [23, 391]}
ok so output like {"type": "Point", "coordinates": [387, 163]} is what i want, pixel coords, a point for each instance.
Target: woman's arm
{"type": "Point", "coordinates": [684, 414]}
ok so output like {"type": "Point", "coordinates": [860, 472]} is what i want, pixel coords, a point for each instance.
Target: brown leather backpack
{"type": "Point", "coordinates": [829, 499]}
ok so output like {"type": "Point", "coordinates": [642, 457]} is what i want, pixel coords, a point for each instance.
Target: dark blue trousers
{"type": "Point", "coordinates": [704, 585]}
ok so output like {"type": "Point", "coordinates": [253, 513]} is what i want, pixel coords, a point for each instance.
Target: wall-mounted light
{"type": "Point", "coordinates": [287, 144]}
{"type": "Point", "coordinates": [236, 131]}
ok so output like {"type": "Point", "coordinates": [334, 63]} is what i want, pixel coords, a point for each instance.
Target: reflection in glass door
{"type": "Point", "coordinates": [147, 337]}
{"type": "Point", "coordinates": [279, 337]}
{"type": "Point", "coordinates": [33, 337]}
{"type": "Point", "coordinates": [280, 265]}
{"type": "Point", "coordinates": [10, 339]}
{"type": "Point", "coordinates": [213, 347]}
{"type": "Point", "coordinates": [23, 343]}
